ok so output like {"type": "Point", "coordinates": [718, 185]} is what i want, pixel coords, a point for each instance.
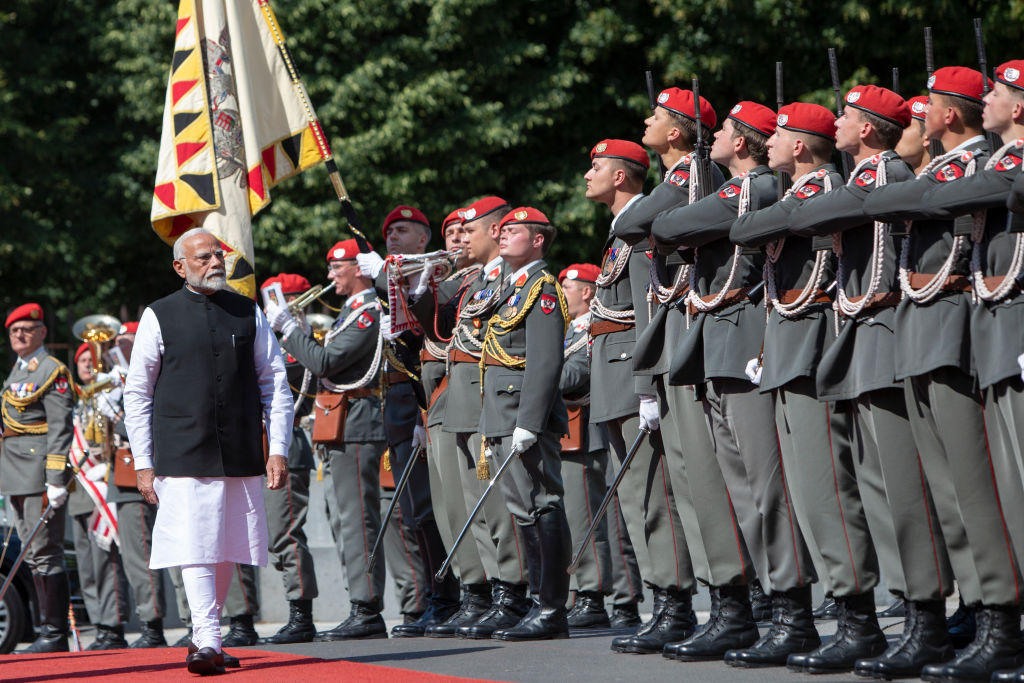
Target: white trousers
{"type": "Point", "coordinates": [206, 586]}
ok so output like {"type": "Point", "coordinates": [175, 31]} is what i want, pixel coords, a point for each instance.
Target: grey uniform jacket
{"type": "Point", "coordinates": [862, 357]}
{"type": "Point", "coordinates": [527, 397]}
{"type": "Point", "coordinates": [792, 346]}
{"type": "Point", "coordinates": [936, 334]}
{"type": "Point", "coordinates": [37, 400]}
{"type": "Point", "coordinates": [575, 386]}
{"type": "Point", "coordinates": [732, 335]}
{"type": "Point", "coordinates": [343, 360]}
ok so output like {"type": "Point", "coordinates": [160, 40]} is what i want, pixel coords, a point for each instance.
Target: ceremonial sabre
{"type": "Point", "coordinates": [608, 497]}
{"type": "Point", "coordinates": [443, 571]}
{"type": "Point", "coordinates": [372, 560]}
{"type": "Point", "coordinates": [25, 543]}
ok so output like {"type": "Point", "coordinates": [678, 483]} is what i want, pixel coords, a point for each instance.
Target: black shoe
{"type": "Point", "coordinates": [230, 661]}
{"type": "Point", "coordinates": [857, 637]}
{"type": "Point", "coordinates": [997, 647]}
{"type": "Point", "coordinates": [731, 627]}
{"type": "Point", "coordinates": [962, 626]}
{"type": "Point", "coordinates": [760, 603]}
{"type": "Point", "coordinates": [792, 632]}
{"type": "Point", "coordinates": [924, 641]}
{"type": "Point", "coordinates": [364, 623]}
{"type": "Point", "coordinates": [241, 632]}
{"type": "Point", "coordinates": [435, 614]}
{"type": "Point", "coordinates": [1012, 676]}
{"type": "Point", "coordinates": [625, 616]}
{"type": "Point", "coordinates": [443, 595]}
{"type": "Point", "coordinates": [509, 604]}
{"type": "Point", "coordinates": [299, 629]}
{"type": "Point", "coordinates": [49, 640]}
{"type": "Point", "coordinates": [476, 599]}
{"type": "Point", "coordinates": [205, 662]}
{"type": "Point", "coordinates": [619, 644]}
{"type": "Point", "coordinates": [676, 623]}
{"type": "Point", "coordinates": [54, 597]}
{"type": "Point", "coordinates": [108, 638]}
{"type": "Point", "coordinates": [151, 634]}
{"type": "Point", "coordinates": [826, 610]}
{"type": "Point", "coordinates": [897, 610]}
{"type": "Point", "coordinates": [185, 640]}
{"type": "Point", "coordinates": [588, 611]}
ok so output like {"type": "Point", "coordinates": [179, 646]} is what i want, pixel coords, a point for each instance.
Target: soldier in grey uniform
{"type": "Point", "coordinates": [933, 358]}
{"type": "Point", "coordinates": [523, 416]}
{"type": "Point", "coordinates": [37, 399]}
{"type": "Point", "coordinates": [349, 365]}
{"type": "Point", "coordinates": [724, 289]}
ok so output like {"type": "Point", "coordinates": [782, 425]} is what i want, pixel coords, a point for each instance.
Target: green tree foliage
{"type": "Point", "coordinates": [432, 103]}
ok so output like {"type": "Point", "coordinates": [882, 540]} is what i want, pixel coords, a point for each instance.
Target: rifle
{"type": "Point", "coordinates": [784, 180]}
{"type": "Point", "coordinates": [654, 103]}
{"type": "Point", "coordinates": [994, 140]}
{"type": "Point", "coordinates": [833, 67]}
{"type": "Point", "coordinates": [935, 147]}
{"type": "Point", "coordinates": [702, 167]}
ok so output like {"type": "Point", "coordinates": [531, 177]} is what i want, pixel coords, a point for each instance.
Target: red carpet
{"type": "Point", "coordinates": [168, 664]}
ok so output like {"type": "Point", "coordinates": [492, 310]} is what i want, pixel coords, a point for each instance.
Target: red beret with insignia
{"type": "Point", "coordinates": [679, 101]}
{"type": "Point", "coordinates": [918, 107]}
{"type": "Point", "coordinates": [958, 81]}
{"type": "Point", "coordinates": [524, 214]}
{"type": "Point", "coordinates": [404, 213]}
{"type": "Point", "coordinates": [345, 249]}
{"type": "Point", "coordinates": [803, 117]}
{"type": "Point", "coordinates": [757, 116]}
{"type": "Point", "coordinates": [882, 102]}
{"type": "Point", "coordinates": [292, 284]}
{"type": "Point", "coordinates": [25, 312]}
{"type": "Point", "coordinates": [621, 149]}
{"type": "Point", "coordinates": [583, 272]}
{"type": "Point", "coordinates": [483, 207]}
{"type": "Point", "coordinates": [82, 348]}
{"type": "Point", "coordinates": [269, 281]}
{"type": "Point", "coordinates": [454, 217]}
{"type": "Point", "coordinates": [130, 327]}
{"type": "Point", "coordinates": [1011, 73]}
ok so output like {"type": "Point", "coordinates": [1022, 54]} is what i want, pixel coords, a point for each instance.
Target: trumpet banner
{"type": "Point", "coordinates": [237, 121]}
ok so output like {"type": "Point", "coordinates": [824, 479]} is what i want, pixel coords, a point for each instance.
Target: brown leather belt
{"type": "Point", "coordinates": [599, 327]}
{"type": "Point", "coordinates": [733, 296]}
{"type": "Point", "coordinates": [790, 296]}
{"type": "Point", "coordinates": [457, 356]}
{"type": "Point", "coordinates": [10, 431]}
{"type": "Point", "coordinates": [993, 281]}
{"type": "Point", "coordinates": [879, 300]}
{"type": "Point", "coordinates": [953, 283]}
{"type": "Point", "coordinates": [491, 360]}
{"type": "Point", "coordinates": [364, 392]}
{"type": "Point", "coordinates": [428, 357]}
{"type": "Point", "coordinates": [396, 377]}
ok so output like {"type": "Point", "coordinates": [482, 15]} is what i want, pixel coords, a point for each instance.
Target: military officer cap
{"type": "Point", "coordinates": [1011, 73]}
{"type": "Point", "coordinates": [130, 327]}
{"type": "Point", "coordinates": [404, 213]}
{"type": "Point", "coordinates": [82, 348]}
{"type": "Point", "coordinates": [958, 81]}
{"type": "Point", "coordinates": [882, 102]}
{"type": "Point", "coordinates": [343, 250]}
{"type": "Point", "coordinates": [756, 116]}
{"type": "Point", "coordinates": [918, 107]}
{"type": "Point", "coordinates": [679, 101]}
{"type": "Point", "coordinates": [452, 218]}
{"type": "Point", "coordinates": [804, 117]}
{"type": "Point", "coordinates": [581, 272]}
{"type": "Point", "coordinates": [30, 311]}
{"type": "Point", "coordinates": [621, 149]}
{"type": "Point", "coordinates": [524, 214]}
{"type": "Point", "coordinates": [483, 207]}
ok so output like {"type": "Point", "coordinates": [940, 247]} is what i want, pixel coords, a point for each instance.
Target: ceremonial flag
{"type": "Point", "coordinates": [237, 121]}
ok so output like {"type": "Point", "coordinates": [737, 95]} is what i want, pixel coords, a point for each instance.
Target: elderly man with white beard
{"type": "Point", "coordinates": [206, 373]}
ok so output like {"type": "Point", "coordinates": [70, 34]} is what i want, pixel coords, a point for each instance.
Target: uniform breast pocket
{"type": "Point", "coordinates": [509, 385]}
{"type": "Point", "coordinates": [619, 352]}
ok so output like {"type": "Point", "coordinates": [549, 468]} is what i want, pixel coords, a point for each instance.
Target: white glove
{"type": "Point", "coordinates": [1020, 362]}
{"type": "Point", "coordinates": [97, 472]}
{"type": "Point", "coordinates": [114, 376]}
{"type": "Point", "coordinates": [385, 327]}
{"type": "Point", "coordinates": [370, 264]}
{"type": "Point", "coordinates": [650, 416]}
{"type": "Point", "coordinates": [522, 439]}
{"type": "Point", "coordinates": [57, 495]}
{"type": "Point", "coordinates": [281, 319]}
{"type": "Point", "coordinates": [418, 283]}
{"type": "Point", "coordinates": [419, 437]}
{"type": "Point", "coordinates": [754, 371]}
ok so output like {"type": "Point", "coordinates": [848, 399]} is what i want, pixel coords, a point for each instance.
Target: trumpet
{"type": "Point", "coordinates": [321, 324]}
{"type": "Point", "coordinates": [307, 297]}
{"type": "Point", "coordinates": [90, 390]}
{"type": "Point", "coordinates": [96, 330]}
{"type": "Point", "coordinates": [412, 264]}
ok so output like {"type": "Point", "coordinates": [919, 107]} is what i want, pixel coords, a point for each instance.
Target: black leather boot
{"type": "Point", "coordinates": [760, 603]}
{"type": "Point", "coordinates": [476, 598]}
{"type": "Point", "coordinates": [299, 629]}
{"type": "Point", "coordinates": [619, 644]}
{"type": "Point", "coordinates": [924, 641]}
{"type": "Point", "coordinates": [588, 611]}
{"type": "Point", "coordinates": [857, 637]}
{"type": "Point", "coordinates": [54, 598]}
{"type": "Point", "coordinates": [676, 623]}
{"type": "Point", "coordinates": [792, 632]}
{"type": "Point", "coordinates": [442, 596]}
{"type": "Point", "coordinates": [896, 610]}
{"type": "Point", "coordinates": [508, 605]}
{"type": "Point", "coordinates": [962, 626]}
{"type": "Point", "coordinates": [364, 623]}
{"type": "Point", "coordinates": [241, 632]}
{"type": "Point", "coordinates": [826, 610]}
{"type": "Point", "coordinates": [996, 647]}
{"type": "Point", "coordinates": [151, 634]}
{"type": "Point", "coordinates": [109, 638]}
{"type": "Point", "coordinates": [626, 615]}
{"type": "Point", "coordinates": [732, 627]}
{"type": "Point", "coordinates": [551, 554]}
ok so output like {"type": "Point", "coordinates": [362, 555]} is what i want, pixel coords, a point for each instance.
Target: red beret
{"type": "Point", "coordinates": [82, 349]}
{"type": "Point", "coordinates": [680, 102]}
{"type": "Point", "coordinates": [918, 107]}
{"type": "Point", "coordinates": [524, 214]}
{"type": "Point", "coordinates": [269, 281]}
{"type": "Point", "coordinates": [882, 102]}
{"type": "Point", "coordinates": [584, 272]}
{"type": "Point", "coordinates": [454, 217]}
{"type": "Point", "coordinates": [128, 328]}
{"type": "Point", "coordinates": [292, 284]}
{"type": "Point", "coordinates": [482, 207]}
{"type": "Point", "coordinates": [404, 213]}
{"type": "Point", "coordinates": [345, 249]}
{"type": "Point", "coordinates": [757, 116]}
{"type": "Point", "coordinates": [1010, 73]}
{"type": "Point", "coordinates": [621, 149]}
{"type": "Point", "coordinates": [803, 117]}
{"type": "Point", "coordinates": [24, 312]}
{"type": "Point", "coordinates": [959, 81]}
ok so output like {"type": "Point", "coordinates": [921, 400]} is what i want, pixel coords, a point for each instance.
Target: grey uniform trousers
{"type": "Point", "coordinates": [583, 480]}
{"type": "Point", "coordinates": [648, 507]}
{"type": "Point", "coordinates": [719, 553]}
{"type": "Point", "coordinates": [747, 449]}
{"type": "Point", "coordinates": [885, 444]}
{"type": "Point", "coordinates": [949, 429]}
{"type": "Point", "coordinates": [289, 552]}
{"type": "Point", "coordinates": [1004, 417]}
{"type": "Point", "coordinates": [135, 529]}
{"type": "Point", "coordinates": [403, 560]}
{"type": "Point", "coordinates": [532, 484]}
{"type": "Point", "coordinates": [101, 577]}
{"type": "Point", "coordinates": [46, 552]}
{"type": "Point", "coordinates": [450, 511]}
{"type": "Point", "coordinates": [626, 580]}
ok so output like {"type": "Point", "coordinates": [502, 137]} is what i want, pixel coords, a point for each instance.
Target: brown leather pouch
{"type": "Point", "coordinates": [438, 390]}
{"type": "Point", "coordinates": [330, 412]}
{"type": "Point", "coordinates": [124, 468]}
{"type": "Point", "coordinates": [572, 442]}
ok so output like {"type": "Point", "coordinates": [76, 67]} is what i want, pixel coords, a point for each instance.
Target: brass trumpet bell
{"type": "Point", "coordinates": [321, 324]}
{"type": "Point", "coordinates": [96, 328]}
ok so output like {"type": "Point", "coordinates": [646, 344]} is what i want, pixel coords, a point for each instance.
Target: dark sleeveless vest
{"type": "Point", "coordinates": [207, 413]}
